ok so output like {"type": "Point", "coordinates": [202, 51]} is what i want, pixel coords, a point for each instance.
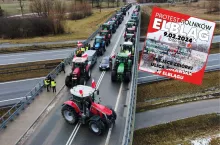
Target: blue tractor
{"type": "Point", "coordinates": [99, 45]}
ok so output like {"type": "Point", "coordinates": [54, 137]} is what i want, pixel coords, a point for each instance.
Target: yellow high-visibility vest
{"type": "Point", "coordinates": [45, 82]}
{"type": "Point", "coordinates": [53, 83]}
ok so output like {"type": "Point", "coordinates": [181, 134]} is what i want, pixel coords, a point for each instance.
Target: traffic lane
{"type": "Point", "coordinates": [109, 93]}
{"type": "Point", "coordinates": [6, 59]}
{"type": "Point", "coordinates": [172, 113]}
{"type": "Point", "coordinates": [118, 129]}
{"type": "Point", "coordinates": [53, 126]}
{"type": "Point", "coordinates": [63, 135]}
{"type": "Point", "coordinates": [8, 45]}
{"type": "Point", "coordinates": [12, 92]}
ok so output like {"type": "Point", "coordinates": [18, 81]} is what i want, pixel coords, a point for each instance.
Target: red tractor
{"type": "Point", "coordinates": [81, 72]}
{"type": "Point", "coordinates": [81, 108]}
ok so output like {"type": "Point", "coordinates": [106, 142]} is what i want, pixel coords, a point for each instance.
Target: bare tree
{"type": "Point", "coordinates": [41, 7]}
{"type": "Point", "coordinates": [59, 9]}
{"type": "Point", "coordinates": [47, 7]}
{"type": "Point", "coordinates": [21, 4]}
{"type": "Point", "coordinates": [36, 7]}
{"type": "Point", "coordinates": [1, 12]}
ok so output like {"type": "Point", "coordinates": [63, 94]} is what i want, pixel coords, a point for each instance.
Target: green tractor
{"type": "Point", "coordinates": [128, 48]}
{"type": "Point", "coordinates": [121, 70]}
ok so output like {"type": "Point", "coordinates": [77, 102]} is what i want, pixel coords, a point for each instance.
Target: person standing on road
{"type": "Point", "coordinates": [62, 66]}
{"type": "Point", "coordinates": [46, 82]}
{"type": "Point", "coordinates": [53, 84]}
{"type": "Point", "coordinates": [49, 80]}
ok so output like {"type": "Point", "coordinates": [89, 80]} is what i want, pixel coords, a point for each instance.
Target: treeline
{"type": "Point", "coordinates": [46, 19]}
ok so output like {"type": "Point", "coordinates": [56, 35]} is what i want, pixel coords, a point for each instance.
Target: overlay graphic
{"type": "Point", "coordinates": [177, 46]}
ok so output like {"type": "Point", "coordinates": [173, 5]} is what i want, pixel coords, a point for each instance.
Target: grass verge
{"type": "Point", "coordinates": [181, 131]}
{"type": "Point", "coordinates": [36, 48]}
{"type": "Point", "coordinates": [3, 111]}
{"type": "Point", "coordinates": [75, 30]}
{"type": "Point", "coordinates": [27, 70]}
{"type": "Point", "coordinates": [148, 96]}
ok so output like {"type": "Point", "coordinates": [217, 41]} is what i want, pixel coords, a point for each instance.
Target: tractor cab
{"type": "Point", "coordinates": [123, 10]}
{"type": "Point", "coordinates": [78, 63]}
{"type": "Point", "coordinates": [127, 47]}
{"type": "Point", "coordinates": [135, 18]}
{"type": "Point", "coordinates": [105, 34]}
{"type": "Point", "coordinates": [105, 26]}
{"type": "Point", "coordinates": [113, 26]}
{"type": "Point", "coordinates": [83, 94]}
{"type": "Point", "coordinates": [99, 45]}
{"type": "Point", "coordinates": [131, 25]}
{"type": "Point", "coordinates": [119, 17]}
{"type": "Point", "coordinates": [130, 30]}
{"type": "Point", "coordinates": [115, 20]}
{"type": "Point", "coordinates": [129, 36]}
{"type": "Point", "coordinates": [134, 21]}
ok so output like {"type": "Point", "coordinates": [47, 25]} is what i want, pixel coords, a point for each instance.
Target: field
{"type": "Point", "coordinates": [80, 29]}
{"type": "Point", "coordinates": [180, 132]}
{"type": "Point", "coordinates": [27, 70]}
{"type": "Point", "coordinates": [148, 96]}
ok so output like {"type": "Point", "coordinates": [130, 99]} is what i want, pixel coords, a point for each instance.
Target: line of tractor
{"type": "Point", "coordinates": [82, 107]}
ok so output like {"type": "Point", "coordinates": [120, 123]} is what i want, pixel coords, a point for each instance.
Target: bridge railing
{"type": "Point", "coordinates": [30, 96]}
{"type": "Point", "coordinates": [131, 107]}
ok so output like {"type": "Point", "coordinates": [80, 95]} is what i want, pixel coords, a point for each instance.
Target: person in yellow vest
{"type": "Point", "coordinates": [82, 50]}
{"type": "Point", "coordinates": [53, 85]}
{"type": "Point", "coordinates": [47, 84]}
{"type": "Point", "coordinates": [87, 47]}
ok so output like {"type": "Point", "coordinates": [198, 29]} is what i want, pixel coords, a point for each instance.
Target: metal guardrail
{"type": "Point", "coordinates": [131, 108]}
{"type": "Point", "coordinates": [30, 96]}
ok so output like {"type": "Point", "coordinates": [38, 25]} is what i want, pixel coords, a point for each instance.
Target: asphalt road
{"type": "Point", "coordinates": [12, 92]}
{"type": "Point", "coordinates": [8, 45]}
{"type": "Point", "coordinates": [213, 62]}
{"type": "Point", "coordinates": [15, 58]}
{"type": "Point", "coordinates": [53, 130]}
{"type": "Point", "coordinates": [172, 113]}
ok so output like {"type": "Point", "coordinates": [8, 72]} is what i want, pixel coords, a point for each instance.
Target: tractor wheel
{"type": "Point", "coordinates": [114, 76]}
{"type": "Point", "coordinates": [82, 81]}
{"type": "Point", "coordinates": [89, 74]}
{"type": "Point", "coordinates": [68, 81]}
{"type": "Point", "coordinates": [113, 112]}
{"type": "Point", "coordinates": [127, 77]}
{"type": "Point", "coordinates": [97, 127]}
{"type": "Point", "coordinates": [69, 114]}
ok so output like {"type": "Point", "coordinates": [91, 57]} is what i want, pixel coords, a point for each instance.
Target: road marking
{"type": "Point", "coordinates": [12, 99]}
{"type": "Point", "coordinates": [70, 138]}
{"type": "Point", "coordinates": [39, 52]}
{"type": "Point", "coordinates": [21, 80]}
{"type": "Point", "coordinates": [73, 134]}
{"type": "Point", "coordinates": [116, 105]}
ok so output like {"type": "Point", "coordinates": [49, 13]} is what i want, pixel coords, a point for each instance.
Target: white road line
{"type": "Point", "coordinates": [12, 99]}
{"type": "Point", "coordinates": [74, 134]}
{"type": "Point", "coordinates": [116, 105]}
{"type": "Point", "coordinates": [21, 80]}
{"type": "Point", "coordinates": [34, 53]}
{"type": "Point", "coordinates": [68, 142]}
{"type": "Point", "coordinates": [116, 108]}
